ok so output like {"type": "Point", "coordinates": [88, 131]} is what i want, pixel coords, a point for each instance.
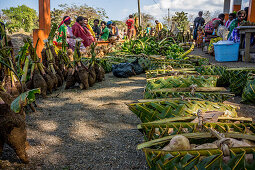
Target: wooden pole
{"type": "Point", "coordinates": [168, 18]}
{"type": "Point", "coordinates": [139, 13]}
{"type": "Point", "coordinates": [251, 14]}
{"type": "Point", "coordinates": [237, 5]}
{"type": "Point", "coordinates": [44, 25]}
{"type": "Point", "coordinates": [226, 9]}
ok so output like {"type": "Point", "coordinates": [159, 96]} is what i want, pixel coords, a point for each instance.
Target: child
{"type": "Point", "coordinates": [200, 36]}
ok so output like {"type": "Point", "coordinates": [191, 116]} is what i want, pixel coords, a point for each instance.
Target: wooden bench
{"type": "Point", "coordinates": [245, 42]}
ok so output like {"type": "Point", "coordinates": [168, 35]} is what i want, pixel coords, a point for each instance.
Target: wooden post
{"type": "Point", "coordinates": [251, 15]}
{"type": "Point", "coordinates": [226, 9]}
{"type": "Point", "coordinates": [247, 46]}
{"type": "Point", "coordinates": [139, 13]}
{"type": "Point", "coordinates": [44, 25]}
{"type": "Point", "coordinates": [237, 5]}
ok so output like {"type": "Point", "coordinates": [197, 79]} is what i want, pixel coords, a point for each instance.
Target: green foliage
{"type": "Point", "coordinates": [181, 19]}
{"type": "Point", "coordinates": [151, 46]}
{"type": "Point", "coordinates": [77, 10]}
{"type": "Point", "coordinates": [20, 17]}
{"type": "Point", "coordinates": [24, 99]}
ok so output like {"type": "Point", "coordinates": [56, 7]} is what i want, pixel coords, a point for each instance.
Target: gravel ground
{"type": "Point", "coordinates": [198, 51]}
{"type": "Point", "coordinates": [91, 129]}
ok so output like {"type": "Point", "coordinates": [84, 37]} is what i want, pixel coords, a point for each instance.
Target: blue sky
{"type": "Point", "coordinates": [120, 9]}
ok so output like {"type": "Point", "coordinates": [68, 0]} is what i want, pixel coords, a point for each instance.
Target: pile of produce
{"type": "Point", "coordinates": [152, 46]}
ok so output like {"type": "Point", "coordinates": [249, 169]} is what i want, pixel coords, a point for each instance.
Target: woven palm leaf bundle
{"type": "Point", "coordinates": [181, 81]}
{"type": "Point", "coordinates": [248, 95]}
{"type": "Point", "coordinates": [214, 94]}
{"type": "Point", "coordinates": [151, 110]}
{"type": "Point", "coordinates": [239, 157]}
{"type": "Point", "coordinates": [169, 65]}
{"type": "Point", "coordinates": [215, 70]}
{"type": "Point", "coordinates": [163, 73]}
{"type": "Point", "coordinates": [159, 129]}
{"type": "Point", "coordinates": [238, 78]}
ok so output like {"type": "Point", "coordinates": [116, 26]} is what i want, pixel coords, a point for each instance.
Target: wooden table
{"type": "Point", "coordinates": [246, 39]}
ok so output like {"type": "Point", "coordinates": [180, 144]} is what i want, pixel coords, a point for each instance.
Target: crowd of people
{"type": "Point", "coordinates": [218, 29]}
{"type": "Point", "coordinates": [81, 29]}
{"type": "Point", "coordinates": [100, 31]}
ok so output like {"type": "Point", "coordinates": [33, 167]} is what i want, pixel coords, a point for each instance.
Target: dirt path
{"type": "Point", "coordinates": [91, 129]}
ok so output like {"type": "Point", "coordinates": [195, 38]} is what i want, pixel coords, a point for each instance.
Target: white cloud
{"type": "Point", "coordinates": [189, 6]}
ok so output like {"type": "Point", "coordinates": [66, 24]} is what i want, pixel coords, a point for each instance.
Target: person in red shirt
{"type": "Point", "coordinates": [130, 27]}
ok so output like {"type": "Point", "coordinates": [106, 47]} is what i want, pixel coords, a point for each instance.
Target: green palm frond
{"type": "Point", "coordinates": [152, 110]}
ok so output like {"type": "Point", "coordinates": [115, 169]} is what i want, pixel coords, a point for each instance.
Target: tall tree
{"type": "Point", "coordinates": [20, 17]}
{"type": "Point", "coordinates": [181, 19]}
{"type": "Point", "coordinates": [74, 11]}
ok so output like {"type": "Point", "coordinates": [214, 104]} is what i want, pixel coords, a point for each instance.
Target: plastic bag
{"type": "Point", "coordinates": [123, 70]}
{"type": "Point", "coordinates": [137, 67]}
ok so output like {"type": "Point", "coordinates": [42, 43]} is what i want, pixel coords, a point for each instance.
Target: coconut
{"type": "Point", "coordinates": [29, 84]}
{"type": "Point", "coordinates": [99, 72]}
{"type": "Point", "coordinates": [92, 76]}
{"type": "Point", "coordinates": [178, 142]}
{"type": "Point", "coordinates": [49, 82]}
{"type": "Point", "coordinates": [54, 78]}
{"type": "Point", "coordinates": [39, 82]}
{"type": "Point", "coordinates": [206, 146]}
{"type": "Point", "coordinates": [59, 72]}
{"type": "Point", "coordinates": [70, 80]}
{"type": "Point", "coordinates": [83, 76]}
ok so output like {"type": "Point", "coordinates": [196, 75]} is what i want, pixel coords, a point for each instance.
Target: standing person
{"type": "Point", "coordinates": [86, 24]}
{"type": "Point", "coordinates": [131, 32]}
{"type": "Point", "coordinates": [232, 16]}
{"type": "Point", "coordinates": [148, 30]}
{"type": "Point", "coordinates": [233, 33]}
{"type": "Point", "coordinates": [82, 32]}
{"type": "Point", "coordinates": [200, 36]}
{"type": "Point", "coordinates": [96, 29]}
{"type": "Point", "coordinates": [159, 26]}
{"type": "Point", "coordinates": [105, 31]}
{"type": "Point", "coordinates": [199, 21]}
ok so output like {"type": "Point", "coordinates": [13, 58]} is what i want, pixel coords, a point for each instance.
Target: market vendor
{"type": "Point", "coordinates": [82, 32]}
{"type": "Point", "coordinates": [105, 31]}
{"type": "Point", "coordinates": [64, 30]}
{"type": "Point", "coordinates": [233, 32]}
{"type": "Point", "coordinates": [220, 33]}
{"type": "Point", "coordinates": [86, 24]}
{"type": "Point", "coordinates": [232, 17]}
{"type": "Point", "coordinates": [96, 28]}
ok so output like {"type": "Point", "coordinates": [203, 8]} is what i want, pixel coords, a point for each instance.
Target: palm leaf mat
{"type": "Point", "coordinates": [153, 131]}
{"type": "Point", "coordinates": [181, 81]}
{"type": "Point", "coordinates": [157, 110]}
{"type": "Point", "coordinates": [163, 73]}
{"type": "Point", "coordinates": [214, 94]}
